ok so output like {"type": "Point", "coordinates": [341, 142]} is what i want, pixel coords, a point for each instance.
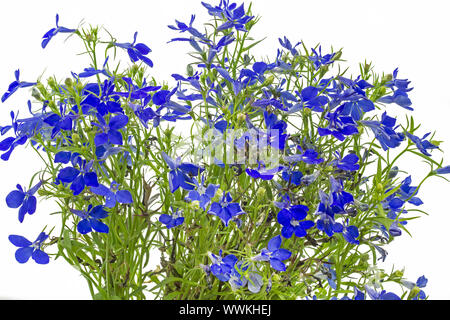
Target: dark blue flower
{"type": "Point", "coordinates": [326, 212]}
{"type": "Point", "coordinates": [292, 220]}
{"type": "Point", "coordinates": [54, 31]}
{"type": "Point", "coordinates": [320, 60]}
{"type": "Point", "coordinates": [418, 285]}
{"type": "Point", "coordinates": [274, 254]}
{"type": "Point", "coordinates": [422, 144]}
{"type": "Point", "coordinates": [110, 132]}
{"type": "Point", "coordinates": [172, 220]}
{"type": "Point", "coordinates": [285, 43]}
{"type": "Point", "coordinates": [384, 131]}
{"type": "Point", "coordinates": [263, 173]}
{"type": "Point", "coordinates": [443, 170]}
{"type": "Point", "coordinates": [222, 267]}
{"type": "Point", "coordinates": [383, 295]}
{"type": "Point", "coordinates": [339, 196]}
{"type": "Point", "coordinates": [90, 219]}
{"type": "Point", "coordinates": [400, 92]}
{"type": "Point", "coordinates": [15, 85]}
{"type": "Point", "coordinates": [310, 98]}
{"type": "Point", "coordinates": [225, 209]}
{"type": "Point", "coordinates": [113, 194]}
{"type": "Point", "coordinates": [202, 194]}
{"type": "Point", "coordinates": [136, 51]}
{"type": "Point", "coordinates": [79, 178]}
{"type": "Point", "coordinates": [23, 199]}
{"type": "Point", "coordinates": [339, 125]}
{"type": "Point", "coordinates": [29, 249]}
{"type": "Point", "coordinates": [234, 15]}
{"type": "Point", "coordinates": [348, 163]}
{"type": "Point", "coordinates": [181, 174]}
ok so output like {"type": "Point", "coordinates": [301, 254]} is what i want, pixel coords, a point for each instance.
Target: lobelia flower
{"type": "Point", "coordinates": [385, 132]}
{"type": "Point", "coordinates": [383, 295]}
{"type": "Point", "coordinates": [274, 254]}
{"type": "Point", "coordinates": [292, 220]}
{"type": "Point", "coordinates": [181, 174]}
{"type": "Point", "coordinates": [311, 99]}
{"type": "Point", "coordinates": [400, 92]}
{"type": "Point", "coordinates": [222, 267]}
{"type": "Point", "coordinates": [54, 31]}
{"type": "Point", "coordinates": [225, 209]}
{"type": "Point", "coordinates": [63, 122]}
{"type": "Point", "coordinates": [310, 156]}
{"type": "Point", "coordinates": [29, 249]}
{"type": "Point", "coordinates": [112, 194]}
{"type": "Point", "coordinates": [416, 287]}
{"type": "Point", "coordinates": [89, 72]}
{"type": "Point", "coordinates": [202, 194]}
{"type": "Point", "coordinates": [23, 199]}
{"type": "Point", "coordinates": [79, 178]}
{"type": "Point", "coordinates": [326, 212]}
{"type": "Point", "coordinates": [422, 144]}
{"type": "Point", "coordinates": [10, 143]}
{"type": "Point", "coordinates": [285, 43]}
{"type": "Point", "coordinates": [110, 132]}
{"type": "Point", "coordinates": [339, 125]}
{"type": "Point", "coordinates": [339, 196]}
{"type": "Point", "coordinates": [136, 51]}
{"type": "Point", "coordinates": [320, 60]}
{"type": "Point", "coordinates": [172, 220]}
{"type": "Point", "coordinates": [443, 170]}
{"type": "Point", "coordinates": [292, 176]}
{"type": "Point", "coordinates": [350, 233]}
{"type": "Point", "coordinates": [15, 85]}
{"type": "Point", "coordinates": [235, 15]}
{"type": "Point", "coordinates": [348, 163]}
{"type": "Point", "coordinates": [182, 27]}
{"type": "Point", "coordinates": [263, 173]}
{"type": "Point", "coordinates": [90, 219]}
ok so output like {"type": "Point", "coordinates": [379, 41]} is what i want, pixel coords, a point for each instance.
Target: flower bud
{"type": "Point", "coordinates": [75, 137]}
{"type": "Point", "coordinates": [306, 111]}
{"type": "Point", "coordinates": [414, 292]}
{"type": "Point", "coordinates": [68, 82]}
{"type": "Point", "coordinates": [380, 187]}
{"type": "Point", "coordinates": [241, 117]}
{"type": "Point", "coordinates": [268, 81]}
{"type": "Point", "coordinates": [189, 70]}
{"type": "Point", "coordinates": [261, 192]}
{"type": "Point", "coordinates": [36, 94]}
{"type": "Point", "coordinates": [398, 274]}
{"type": "Point", "coordinates": [387, 78]}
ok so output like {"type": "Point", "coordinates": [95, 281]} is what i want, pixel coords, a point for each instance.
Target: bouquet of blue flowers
{"type": "Point", "coordinates": [246, 178]}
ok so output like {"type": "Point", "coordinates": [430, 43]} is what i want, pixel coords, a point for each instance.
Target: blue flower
{"type": "Point", "coordinates": [112, 194]}
{"type": "Point", "coordinates": [90, 219]}
{"type": "Point", "coordinates": [172, 220]}
{"type": "Point", "coordinates": [422, 144]}
{"type": "Point", "coordinates": [222, 267]}
{"type": "Point", "coordinates": [23, 199]}
{"type": "Point", "coordinates": [181, 174]}
{"type": "Point", "coordinates": [348, 163]}
{"type": "Point", "coordinates": [274, 254]}
{"type": "Point", "coordinates": [385, 132]}
{"type": "Point", "coordinates": [29, 249]}
{"type": "Point", "coordinates": [54, 31]}
{"type": "Point", "coordinates": [235, 15]}
{"type": "Point", "coordinates": [320, 60]}
{"type": "Point", "coordinates": [136, 51]}
{"type": "Point", "coordinates": [310, 98]}
{"type": "Point", "coordinates": [110, 132]}
{"type": "Point", "coordinates": [443, 170]}
{"type": "Point", "coordinates": [310, 156]}
{"type": "Point", "coordinates": [326, 212]}
{"type": "Point", "coordinates": [285, 43]}
{"type": "Point", "coordinates": [400, 92]}
{"type": "Point", "coordinates": [15, 85]}
{"type": "Point", "coordinates": [225, 209]}
{"type": "Point", "coordinates": [383, 295]}
{"type": "Point", "coordinates": [291, 220]}
{"type": "Point", "coordinates": [350, 233]}
{"type": "Point", "coordinates": [420, 283]}
{"type": "Point", "coordinates": [202, 194]}
{"type": "Point", "coordinates": [339, 196]}
{"type": "Point", "coordinates": [339, 125]}
{"type": "Point", "coordinates": [79, 178]}
{"type": "Point", "coordinates": [263, 173]}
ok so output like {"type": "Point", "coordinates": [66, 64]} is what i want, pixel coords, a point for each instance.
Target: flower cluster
{"type": "Point", "coordinates": [270, 169]}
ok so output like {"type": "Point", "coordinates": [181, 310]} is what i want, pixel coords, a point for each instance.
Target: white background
{"type": "Point", "coordinates": [411, 35]}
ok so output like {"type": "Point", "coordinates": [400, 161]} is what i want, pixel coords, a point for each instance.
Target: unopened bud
{"type": "Point", "coordinates": [261, 192]}
{"type": "Point", "coordinates": [380, 187]}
